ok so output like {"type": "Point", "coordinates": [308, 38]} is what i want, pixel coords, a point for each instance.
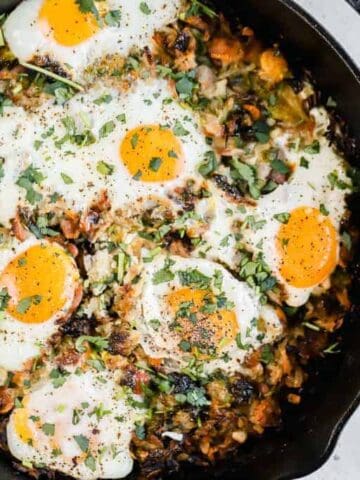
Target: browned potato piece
{"type": "Point", "coordinates": [273, 67]}
{"type": "Point", "coordinates": [226, 50]}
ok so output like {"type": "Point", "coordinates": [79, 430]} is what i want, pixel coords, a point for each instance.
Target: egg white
{"type": "Point", "coordinates": [157, 339]}
{"type": "Point", "coordinates": [35, 145]}
{"type": "Point", "coordinates": [307, 187]}
{"type": "Point", "coordinates": [20, 341]}
{"type": "Point", "coordinates": [109, 434]}
{"type": "Point", "coordinates": [26, 40]}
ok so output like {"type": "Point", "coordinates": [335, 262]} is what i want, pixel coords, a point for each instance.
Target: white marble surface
{"type": "Point", "coordinates": [343, 23]}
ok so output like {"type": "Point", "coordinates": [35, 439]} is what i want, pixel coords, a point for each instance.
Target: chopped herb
{"type": "Point", "coordinates": [66, 179]}
{"type": "Point", "coordinates": [113, 18]}
{"type": "Point", "coordinates": [313, 148]}
{"type": "Point", "coordinates": [185, 84]}
{"type": "Point", "coordinates": [4, 299]}
{"type": "Point", "coordinates": [282, 217]}
{"type": "Point", "coordinates": [134, 140]}
{"type": "Point", "coordinates": [137, 175]}
{"type": "Point", "coordinates": [90, 463]}
{"type": "Point", "coordinates": [28, 177]}
{"type": "Point", "coordinates": [48, 429]}
{"type": "Point", "coordinates": [144, 8]}
{"type": "Point", "coordinates": [208, 165]}
{"type": "Point", "coordinates": [193, 278]}
{"type": "Point", "coordinates": [163, 275]}
{"type": "Point", "coordinates": [323, 210]}
{"type": "Point", "coordinates": [279, 166]}
{"type": "Point", "coordinates": [105, 98]}
{"type": "Point", "coordinates": [198, 8]}
{"type": "Point", "coordinates": [82, 441]}
{"type": "Point", "coordinates": [267, 355]}
{"type": "Point", "coordinates": [25, 303]}
{"type": "Point", "coordinates": [58, 377]}
{"type": "Point", "coordinates": [140, 431]}
{"type": "Point", "coordinates": [106, 129]}
{"type": "Point", "coordinates": [262, 131]}
{"type": "Point", "coordinates": [172, 154]}
{"type": "Point", "coordinates": [185, 346]}
{"type": "Point", "coordinates": [345, 239]}
{"type": "Point", "coordinates": [88, 6]}
{"type": "Point", "coordinates": [98, 343]}
{"type": "Point", "coordinates": [99, 365]}
{"type": "Point", "coordinates": [60, 91]}
{"type": "Point", "coordinates": [240, 344]}
{"type": "Point", "coordinates": [331, 103]}
{"type": "Point", "coordinates": [336, 182]}
{"type": "Point", "coordinates": [100, 412]}
{"type": "Point", "coordinates": [304, 163]}
{"type": "Point", "coordinates": [121, 118]}
{"type": "Point", "coordinates": [105, 168]}
{"type": "Point", "coordinates": [155, 164]}
{"type": "Point", "coordinates": [179, 130]}
{"type": "Point", "coordinates": [155, 324]}
{"type": "Point", "coordinates": [4, 102]}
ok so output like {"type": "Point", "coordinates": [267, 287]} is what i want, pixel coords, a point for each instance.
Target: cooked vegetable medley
{"type": "Point", "coordinates": [175, 236]}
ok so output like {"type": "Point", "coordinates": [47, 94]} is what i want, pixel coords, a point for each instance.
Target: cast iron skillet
{"type": "Point", "coordinates": [309, 431]}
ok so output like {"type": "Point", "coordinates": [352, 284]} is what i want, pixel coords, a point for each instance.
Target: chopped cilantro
{"type": "Point", "coordinates": [323, 210]}
{"type": "Point", "coordinates": [208, 165]}
{"type": "Point", "coordinates": [313, 148]}
{"type": "Point", "coordinates": [113, 18]}
{"type": "Point", "coordinates": [106, 129]}
{"type": "Point", "coordinates": [82, 441]}
{"type": "Point", "coordinates": [282, 217]}
{"type": "Point", "coordinates": [105, 168]}
{"type": "Point", "coordinates": [28, 177]}
{"type": "Point", "coordinates": [98, 343]}
{"type": "Point", "coordinates": [105, 98]}
{"type": "Point", "coordinates": [163, 275]}
{"type": "Point", "coordinates": [155, 164]}
{"type": "Point", "coordinates": [66, 179]}
{"type": "Point", "coordinates": [48, 429]}
{"type": "Point", "coordinates": [179, 130]}
{"type": "Point", "coordinates": [304, 163]}
{"type": "Point", "coordinates": [25, 303]}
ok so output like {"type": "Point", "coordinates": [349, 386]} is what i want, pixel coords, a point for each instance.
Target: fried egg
{"type": "Point", "coordinates": [194, 308]}
{"type": "Point", "coordinates": [80, 425]}
{"type": "Point", "coordinates": [38, 280]}
{"type": "Point", "coordinates": [98, 141]}
{"type": "Point", "coordinates": [72, 35]}
{"type": "Point", "coordinates": [299, 237]}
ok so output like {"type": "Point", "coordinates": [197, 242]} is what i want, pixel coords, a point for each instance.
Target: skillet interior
{"type": "Point", "coordinates": [309, 431]}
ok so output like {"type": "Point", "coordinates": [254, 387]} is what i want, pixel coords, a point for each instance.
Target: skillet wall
{"type": "Point", "coordinates": [309, 431]}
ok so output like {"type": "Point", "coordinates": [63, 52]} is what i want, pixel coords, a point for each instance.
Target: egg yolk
{"type": "Point", "coordinates": [308, 247]}
{"type": "Point", "coordinates": [152, 153]}
{"type": "Point", "coordinates": [68, 25]}
{"type": "Point", "coordinates": [21, 423]}
{"type": "Point", "coordinates": [37, 281]}
{"type": "Point", "coordinates": [204, 331]}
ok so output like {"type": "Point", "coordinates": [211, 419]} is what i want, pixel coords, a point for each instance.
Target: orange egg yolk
{"type": "Point", "coordinates": [21, 422]}
{"type": "Point", "coordinates": [67, 24]}
{"type": "Point", "coordinates": [308, 248]}
{"type": "Point", "coordinates": [37, 282]}
{"type": "Point", "coordinates": [152, 153]}
{"type": "Point", "coordinates": [204, 331]}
